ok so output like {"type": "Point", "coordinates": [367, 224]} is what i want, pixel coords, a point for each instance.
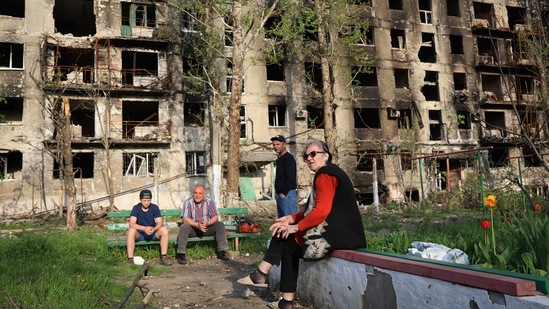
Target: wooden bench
{"type": "Point", "coordinates": [227, 216]}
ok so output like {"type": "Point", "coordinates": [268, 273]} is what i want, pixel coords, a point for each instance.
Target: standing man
{"type": "Point", "coordinates": [285, 180]}
{"type": "Point", "coordinates": [201, 218]}
{"type": "Point", "coordinates": [146, 224]}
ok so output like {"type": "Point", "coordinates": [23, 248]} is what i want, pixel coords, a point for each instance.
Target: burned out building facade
{"type": "Point", "coordinates": [446, 78]}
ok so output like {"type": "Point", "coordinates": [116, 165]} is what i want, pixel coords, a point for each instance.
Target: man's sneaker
{"type": "Point", "coordinates": [165, 262]}
{"type": "Point", "coordinates": [222, 255]}
{"type": "Point", "coordinates": [181, 259]}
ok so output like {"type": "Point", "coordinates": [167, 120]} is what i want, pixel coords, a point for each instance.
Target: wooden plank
{"type": "Point", "coordinates": [503, 284]}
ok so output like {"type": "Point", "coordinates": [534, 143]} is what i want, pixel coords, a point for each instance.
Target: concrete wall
{"type": "Point", "coordinates": [335, 283]}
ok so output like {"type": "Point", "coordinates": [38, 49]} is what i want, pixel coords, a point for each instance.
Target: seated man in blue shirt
{"type": "Point", "coordinates": [146, 224]}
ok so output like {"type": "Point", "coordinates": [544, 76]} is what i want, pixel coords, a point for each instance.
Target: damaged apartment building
{"type": "Point", "coordinates": [439, 87]}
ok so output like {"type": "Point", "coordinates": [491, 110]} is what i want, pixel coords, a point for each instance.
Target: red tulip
{"type": "Point", "coordinates": [510, 220]}
{"type": "Point", "coordinates": [485, 224]}
{"type": "Point", "coordinates": [537, 207]}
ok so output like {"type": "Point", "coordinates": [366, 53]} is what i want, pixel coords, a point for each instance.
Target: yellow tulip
{"type": "Point", "coordinates": [490, 201]}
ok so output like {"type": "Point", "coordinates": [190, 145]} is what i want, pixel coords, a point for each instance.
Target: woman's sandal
{"type": "Point", "coordinates": [248, 281]}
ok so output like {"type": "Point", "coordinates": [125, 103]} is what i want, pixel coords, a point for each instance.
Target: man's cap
{"type": "Point", "coordinates": [145, 194]}
{"type": "Point", "coordinates": [279, 138]}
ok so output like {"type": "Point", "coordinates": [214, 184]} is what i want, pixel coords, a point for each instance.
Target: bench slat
{"type": "Point", "coordinates": [177, 212]}
{"type": "Point", "coordinates": [120, 241]}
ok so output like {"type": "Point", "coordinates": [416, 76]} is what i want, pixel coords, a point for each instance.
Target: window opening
{"type": "Point", "coordinates": [402, 79]}
{"type": "Point", "coordinates": [243, 122]}
{"type": "Point", "coordinates": [11, 55]}
{"type": "Point", "coordinates": [138, 15]}
{"type": "Point", "coordinates": [365, 77]}
{"type": "Point", "coordinates": [74, 65]}
{"type": "Point", "coordinates": [195, 163]}
{"type": "Point", "coordinates": [275, 72]}
{"type": "Point", "coordinates": [395, 5]}
{"type": "Point", "coordinates": [315, 117]}
{"type": "Point", "coordinates": [11, 110]}
{"type": "Point", "coordinates": [76, 17]}
{"type": "Point", "coordinates": [194, 113]}
{"type": "Point", "coordinates": [139, 69]}
{"type": "Point", "coordinates": [452, 8]}
{"type": "Point", "coordinates": [313, 74]}
{"type": "Point", "coordinates": [11, 165]}
{"type": "Point", "coordinates": [425, 12]}
{"type": "Point", "coordinates": [277, 115]}
{"type": "Point", "coordinates": [82, 163]}
{"type": "Point", "coordinates": [460, 81]}
{"type": "Point", "coordinates": [140, 119]}
{"type": "Point", "coordinates": [405, 118]}
{"type": "Point", "coordinates": [13, 8]}
{"type": "Point", "coordinates": [83, 118]}
{"type": "Point", "coordinates": [398, 38]}
{"type": "Point", "coordinates": [228, 33]}
{"type": "Point", "coordinates": [456, 44]}
{"type": "Point", "coordinates": [516, 16]}
{"type": "Point", "coordinates": [427, 51]}
{"type": "Point", "coordinates": [491, 86]}
{"type": "Point", "coordinates": [366, 118]}
{"type": "Point", "coordinates": [484, 11]}
{"type": "Point", "coordinates": [495, 125]}
{"type": "Point", "coordinates": [435, 125]}
{"type": "Point", "coordinates": [498, 157]}
{"type": "Point", "coordinates": [430, 86]}
{"type": "Point", "coordinates": [138, 164]}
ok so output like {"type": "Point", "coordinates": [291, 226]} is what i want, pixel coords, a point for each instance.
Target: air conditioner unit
{"type": "Point", "coordinates": [393, 113]}
{"type": "Point", "coordinates": [301, 114]}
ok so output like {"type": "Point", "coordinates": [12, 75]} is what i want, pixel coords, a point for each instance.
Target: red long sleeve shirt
{"type": "Point", "coordinates": [325, 187]}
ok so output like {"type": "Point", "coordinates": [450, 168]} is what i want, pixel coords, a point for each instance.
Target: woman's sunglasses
{"type": "Point", "coordinates": [312, 154]}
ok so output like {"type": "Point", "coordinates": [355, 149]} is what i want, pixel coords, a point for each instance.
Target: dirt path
{"type": "Point", "coordinates": [208, 283]}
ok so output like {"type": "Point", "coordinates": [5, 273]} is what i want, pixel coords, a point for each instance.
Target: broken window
{"type": "Point", "coordinates": [192, 74]}
{"type": "Point", "coordinates": [491, 86]}
{"type": "Point", "coordinates": [364, 77]}
{"type": "Point", "coordinates": [366, 158]}
{"type": "Point", "coordinates": [367, 118]}
{"type": "Point", "coordinates": [82, 165]}
{"type": "Point", "coordinates": [405, 119]}
{"type": "Point", "coordinates": [195, 163]}
{"type": "Point", "coordinates": [275, 71]}
{"type": "Point", "coordinates": [11, 110]}
{"type": "Point", "coordinates": [228, 32]}
{"type": "Point", "coordinates": [398, 39]}
{"type": "Point", "coordinates": [139, 69]}
{"type": "Point", "coordinates": [529, 121]}
{"type": "Point", "coordinates": [140, 119]}
{"type": "Point", "coordinates": [74, 65]}
{"type": "Point", "coordinates": [271, 27]}
{"type": "Point", "coordinates": [456, 44]}
{"type": "Point", "coordinates": [460, 81]}
{"type": "Point", "coordinates": [495, 125]}
{"type": "Point", "coordinates": [406, 160]}
{"type": "Point", "coordinates": [452, 8]}
{"type": "Point", "coordinates": [229, 77]}
{"type": "Point", "coordinates": [313, 74]}
{"type": "Point", "coordinates": [435, 125]}
{"type": "Point", "coordinates": [13, 8]}
{"type": "Point", "coordinates": [484, 11]}
{"type": "Point", "coordinates": [425, 12]}
{"type": "Point", "coordinates": [188, 21]}
{"type": "Point", "coordinates": [364, 35]}
{"type": "Point", "coordinates": [11, 164]}
{"type": "Point", "coordinates": [498, 157]}
{"type": "Point", "coordinates": [277, 115]}
{"type": "Point", "coordinates": [516, 16]}
{"type": "Point", "coordinates": [83, 118]}
{"type": "Point", "coordinates": [487, 51]}
{"type": "Point", "coordinates": [530, 159]}
{"type": "Point", "coordinates": [464, 120]}
{"type": "Point", "coordinates": [11, 55]}
{"type": "Point", "coordinates": [76, 17]}
{"type": "Point", "coordinates": [430, 86]}
{"type": "Point", "coordinates": [194, 111]}
{"type": "Point", "coordinates": [401, 78]}
{"type": "Point", "coordinates": [427, 51]}
{"type": "Point", "coordinates": [315, 117]}
{"type": "Point", "coordinates": [525, 85]}
{"type": "Point", "coordinates": [138, 15]}
{"type": "Point", "coordinates": [395, 5]}
{"type": "Point", "coordinates": [243, 120]}
{"type": "Point", "coordinates": [138, 164]}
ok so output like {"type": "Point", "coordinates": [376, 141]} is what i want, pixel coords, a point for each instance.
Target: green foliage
{"type": "Point", "coordinates": [531, 234]}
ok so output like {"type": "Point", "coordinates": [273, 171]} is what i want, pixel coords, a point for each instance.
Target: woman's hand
{"type": "Point", "coordinates": [283, 227]}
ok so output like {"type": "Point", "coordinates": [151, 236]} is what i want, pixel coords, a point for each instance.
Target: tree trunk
{"type": "Point", "coordinates": [233, 160]}
{"type": "Point", "coordinates": [327, 86]}
{"type": "Point", "coordinates": [67, 168]}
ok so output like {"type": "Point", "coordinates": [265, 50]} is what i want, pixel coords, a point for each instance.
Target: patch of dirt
{"type": "Point", "coordinates": [208, 283]}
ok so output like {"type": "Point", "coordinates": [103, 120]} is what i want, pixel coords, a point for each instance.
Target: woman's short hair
{"type": "Point", "coordinates": [322, 145]}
